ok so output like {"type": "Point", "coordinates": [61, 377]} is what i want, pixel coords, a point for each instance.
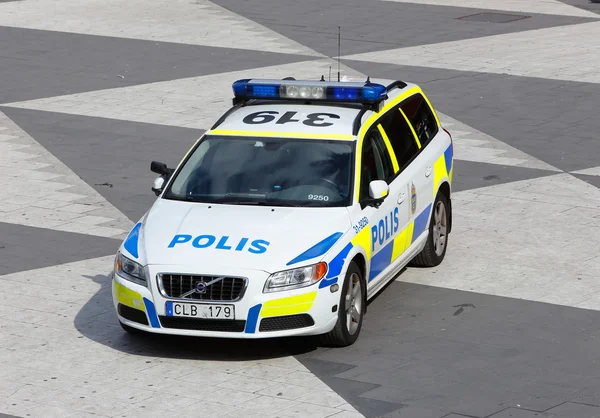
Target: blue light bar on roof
{"type": "Point", "coordinates": [309, 90]}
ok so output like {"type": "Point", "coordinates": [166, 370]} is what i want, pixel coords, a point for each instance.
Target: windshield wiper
{"type": "Point", "coordinates": [243, 202]}
{"type": "Point", "coordinates": [265, 202]}
{"type": "Point", "coordinates": [180, 198]}
{"type": "Point", "coordinates": [239, 200]}
{"type": "Point", "coordinates": [243, 199]}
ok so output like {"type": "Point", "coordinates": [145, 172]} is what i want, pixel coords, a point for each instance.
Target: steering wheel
{"type": "Point", "coordinates": [326, 182]}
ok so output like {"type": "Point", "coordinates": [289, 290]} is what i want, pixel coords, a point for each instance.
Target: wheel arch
{"type": "Point", "coordinates": [361, 262]}
{"type": "Point", "coordinates": [446, 190]}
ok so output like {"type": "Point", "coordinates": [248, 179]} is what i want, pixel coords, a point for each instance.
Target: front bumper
{"type": "Point", "coordinates": [307, 311]}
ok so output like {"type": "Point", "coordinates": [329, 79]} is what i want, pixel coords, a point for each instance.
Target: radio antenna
{"type": "Point", "coordinates": [339, 50]}
{"type": "Point", "coordinates": [330, 73]}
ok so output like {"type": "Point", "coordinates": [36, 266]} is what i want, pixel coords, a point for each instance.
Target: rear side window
{"type": "Point", "coordinates": [400, 136]}
{"type": "Point", "coordinates": [418, 112]}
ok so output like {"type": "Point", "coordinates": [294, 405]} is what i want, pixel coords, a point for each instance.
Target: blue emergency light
{"type": "Point", "coordinates": [356, 92]}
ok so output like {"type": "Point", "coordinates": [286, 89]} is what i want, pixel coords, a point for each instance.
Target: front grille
{"type": "Point", "coordinates": [227, 289]}
{"type": "Point", "coordinates": [280, 323]}
{"type": "Point", "coordinates": [132, 314]}
{"type": "Point", "coordinates": [195, 324]}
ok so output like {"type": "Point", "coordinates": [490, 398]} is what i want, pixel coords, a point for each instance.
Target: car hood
{"type": "Point", "coordinates": [208, 236]}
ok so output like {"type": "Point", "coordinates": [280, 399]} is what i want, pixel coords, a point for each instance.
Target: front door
{"type": "Point", "coordinates": [387, 220]}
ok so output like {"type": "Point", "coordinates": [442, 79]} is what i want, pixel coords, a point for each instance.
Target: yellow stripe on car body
{"type": "Point", "coordinates": [128, 297]}
{"type": "Point", "coordinates": [401, 242]}
{"type": "Point", "coordinates": [415, 136]}
{"type": "Point", "coordinates": [363, 239]}
{"type": "Point", "coordinates": [290, 305]}
{"type": "Point", "coordinates": [388, 145]}
{"type": "Point", "coordinates": [301, 135]}
{"type": "Point", "coordinates": [439, 173]}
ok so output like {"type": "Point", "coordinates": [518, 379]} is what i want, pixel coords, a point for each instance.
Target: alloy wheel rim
{"type": "Point", "coordinates": [353, 304]}
{"type": "Point", "coordinates": [439, 228]}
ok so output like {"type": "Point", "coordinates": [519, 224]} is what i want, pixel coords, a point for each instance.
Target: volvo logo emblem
{"type": "Point", "coordinates": [201, 287]}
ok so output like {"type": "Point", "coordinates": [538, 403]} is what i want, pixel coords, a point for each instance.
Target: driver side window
{"type": "Point", "coordinates": [375, 162]}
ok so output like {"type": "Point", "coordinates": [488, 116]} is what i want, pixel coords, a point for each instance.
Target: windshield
{"type": "Point", "coordinates": [269, 171]}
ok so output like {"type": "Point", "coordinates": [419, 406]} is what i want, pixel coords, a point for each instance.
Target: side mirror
{"type": "Point", "coordinates": [378, 191]}
{"type": "Point", "coordinates": [165, 173]}
{"type": "Point", "coordinates": [158, 167]}
{"type": "Point", "coordinates": [157, 186]}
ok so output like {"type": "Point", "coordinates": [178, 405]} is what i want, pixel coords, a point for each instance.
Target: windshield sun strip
{"type": "Point", "coordinates": [278, 134]}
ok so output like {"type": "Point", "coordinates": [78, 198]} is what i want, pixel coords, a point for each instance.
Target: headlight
{"type": "Point", "coordinates": [296, 278]}
{"type": "Point", "coordinates": [130, 270]}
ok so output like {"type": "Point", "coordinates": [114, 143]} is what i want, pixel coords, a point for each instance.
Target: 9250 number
{"type": "Point", "coordinates": [320, 197]}
{"type": "Point", "coordinates": [360, 225]}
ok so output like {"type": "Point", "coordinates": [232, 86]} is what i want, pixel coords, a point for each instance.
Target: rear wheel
{"type": "Point", "coordinates": [350, 311]}
{"type": "Point", "coordinates": [437, 241]}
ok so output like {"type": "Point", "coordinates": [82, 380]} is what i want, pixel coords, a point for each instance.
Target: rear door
{"type": "Point", "coordinates": [425, 170]}
{"type": "Point", "coordinates": [404, 149]}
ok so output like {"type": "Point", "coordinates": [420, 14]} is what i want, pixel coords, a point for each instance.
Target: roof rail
{"type": "Point", "coordinates": [357, 120]}
{"type": "Point", "coordinates": [356, 124]}
{"type": "Point", "coordinates": [396, 84]}
{"type": "Point", "coordinates": [225, 115]}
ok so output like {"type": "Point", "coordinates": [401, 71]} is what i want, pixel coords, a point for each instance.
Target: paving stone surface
{"type": "Point", "coordinates": [104, 159]}
{"type": "Point", "coordinates": [507, 326]}
{"type": "Point", "coordinates": [552, 7]}
{"type": "Point", "coordinates": [446, 350]}
{"type": "Point", "coordinates": [108, 62]}
{"type": "Point", "coordinates": [43, 192]}
{"type": "Point", "coordinates": [315, 23]}
{"type": "Point", "coordinates": [193, 23]}
{"type": "Point", "coordinates": [27, 248]}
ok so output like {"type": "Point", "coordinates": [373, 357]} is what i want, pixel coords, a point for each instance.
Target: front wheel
{"type": "Point", "coordinates": [350, 311]}
{"type": "Point", "coordinates": [437, 240]}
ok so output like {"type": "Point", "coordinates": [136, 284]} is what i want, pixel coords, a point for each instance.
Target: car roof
{"type": "Point", "coordinates": [342, 127]}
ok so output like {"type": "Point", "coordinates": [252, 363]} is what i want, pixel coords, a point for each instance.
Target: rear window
{"type": "Point", "coordinates": [400, 136]}
{"type": "Point", "coordinates": [421, 117]}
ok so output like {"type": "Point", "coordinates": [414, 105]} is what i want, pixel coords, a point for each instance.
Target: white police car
{"type": "Point", "coordinates": [300, 203]}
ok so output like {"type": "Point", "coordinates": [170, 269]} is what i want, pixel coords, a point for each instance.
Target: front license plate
{"type": "Point", "coordinates": [197, 310]}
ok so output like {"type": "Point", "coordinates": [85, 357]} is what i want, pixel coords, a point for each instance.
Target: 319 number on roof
{"type": "Point", "coordinates": [318, 120]}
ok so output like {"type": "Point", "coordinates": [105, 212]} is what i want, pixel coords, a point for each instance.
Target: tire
{"type": "Point", "coordinates": [341, 335]}
{"type": "Point", "coordinates": [131, 330]}
{"type": "Point", "coordinates": [437, 239]}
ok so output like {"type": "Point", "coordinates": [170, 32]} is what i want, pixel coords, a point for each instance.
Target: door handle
{"type": "Point", "coordinates": [401, 198]}
{"type": "Point", "coordinates": [428, 171]}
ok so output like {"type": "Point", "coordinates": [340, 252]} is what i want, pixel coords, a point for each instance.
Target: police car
{"type": "Point", "coordinates": [290, 213]}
